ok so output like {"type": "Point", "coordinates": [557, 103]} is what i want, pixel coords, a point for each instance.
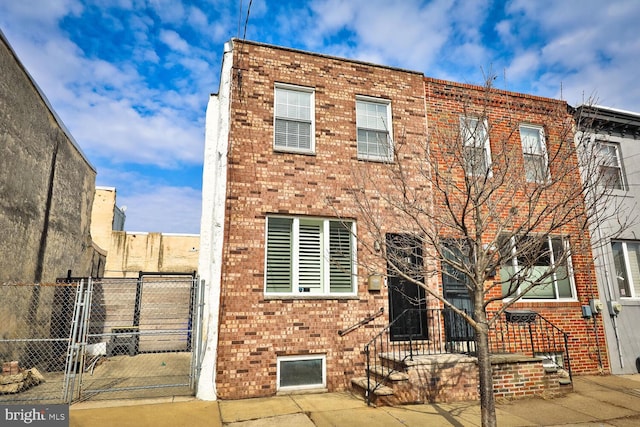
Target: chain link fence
{"type": "Point", "coordinates": [101, 338]}
{"type": "Point", "coordinates": [35, 324]}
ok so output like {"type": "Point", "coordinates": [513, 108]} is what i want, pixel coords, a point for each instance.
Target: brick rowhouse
{"type": "Point", "coordinates": [255, 328]}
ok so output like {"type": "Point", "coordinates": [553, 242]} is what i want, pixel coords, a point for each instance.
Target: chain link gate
{"type": "Point", "coordinates": [34, 338]}
{"type": "Point", "coordinates": [125, 338]}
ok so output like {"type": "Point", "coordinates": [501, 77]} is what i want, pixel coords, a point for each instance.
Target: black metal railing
{"type": "Point", "coordinates": [529, 333]}
{"type": "Point", "coordinates": [368, 319]}
{"type": "Point", "coordinates": [523, 332]}
{"type": "Point", "coordinates": [384, 352]}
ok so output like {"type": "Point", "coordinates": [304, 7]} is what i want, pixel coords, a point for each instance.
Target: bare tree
{"type": "Point", "coordinates": [495, 207]}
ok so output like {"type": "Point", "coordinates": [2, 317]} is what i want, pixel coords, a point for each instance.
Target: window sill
{"type": "Point", "coordinates": [375, 159]}
{"type": "Point", "coordinates": [545, 303]}
{"type": "Point", "coordinates": [311, 390]}
{"type": "Point", "coordinates": [293, 151]}
{"type": "Point", "coordinates": [311, 297]}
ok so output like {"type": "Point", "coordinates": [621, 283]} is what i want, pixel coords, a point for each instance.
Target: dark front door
{"type": "Point", "coordinates": [459, 335]}
{"type": "Point", "coordinates": [407, 302]}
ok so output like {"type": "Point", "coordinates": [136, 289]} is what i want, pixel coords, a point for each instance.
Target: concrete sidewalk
{"type": "Point", "coordinates": [596, 401]}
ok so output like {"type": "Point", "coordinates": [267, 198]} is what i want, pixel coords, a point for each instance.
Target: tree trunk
{"type": "Point", "coordinates": [487, 399]}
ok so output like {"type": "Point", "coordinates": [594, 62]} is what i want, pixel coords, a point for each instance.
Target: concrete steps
{"type": "Point", "coordinates": [445, 378]}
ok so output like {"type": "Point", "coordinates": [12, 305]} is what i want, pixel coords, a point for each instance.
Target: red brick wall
{"type": "Point", "coordinates": [522, 379]}
{"type": "Point", "coordinates": [255, 329]}
{"type": "Point", "coordinates": [446, 102]}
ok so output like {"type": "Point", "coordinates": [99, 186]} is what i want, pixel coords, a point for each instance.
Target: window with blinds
{"type": "Point", "coordinates": [307, 256]}
{"type": "Point", "coordinates": [294, 119]}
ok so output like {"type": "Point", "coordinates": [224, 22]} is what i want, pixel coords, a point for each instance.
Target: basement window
{"type": "Point", "coordinates": [302, 372]}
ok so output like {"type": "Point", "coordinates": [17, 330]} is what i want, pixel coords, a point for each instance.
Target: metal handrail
{"type": "Point", "coordinates": [343, 332]}
{"type": "Point", "coordinates": [399, 351]}
{"type": "Point", "coordinates": [533, 335]}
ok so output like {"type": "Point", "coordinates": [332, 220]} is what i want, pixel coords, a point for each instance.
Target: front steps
{"type": "Point", "coordinates": [454, 377]}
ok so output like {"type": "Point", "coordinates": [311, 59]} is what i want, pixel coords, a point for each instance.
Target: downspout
{"type": "Point", "coordinates": [614, 319]}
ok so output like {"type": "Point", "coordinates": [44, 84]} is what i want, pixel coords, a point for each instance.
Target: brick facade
{"type": "Point", "coordinates": [254, 328]}
{"type": "Point", "coordinates": [505, 110]}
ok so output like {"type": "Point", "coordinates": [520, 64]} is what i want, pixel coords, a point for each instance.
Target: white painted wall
{"type": "Point", "coordinates": [213, 221]}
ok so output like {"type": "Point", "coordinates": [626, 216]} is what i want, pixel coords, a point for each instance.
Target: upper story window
{"type": "Point", "coordinates": [626, 259]}
{"type": "Point", "coordinates": [294, 126]}
{"type": "Point", "coordinates": [610, 165]}
{"type": "Point", "coordinates": [475, 144]}
{"type": "Point", "coordinates": [310, 256]}
{"type": "Point", "coordinates": [544, 261]}
{"type": "Point", "coordinates": [535, 153]}
{"type": "Point", "coordinates": [373, 122]}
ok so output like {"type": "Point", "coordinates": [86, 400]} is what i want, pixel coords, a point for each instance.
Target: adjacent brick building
{"type": "Point", "coordinates": [287, 258]}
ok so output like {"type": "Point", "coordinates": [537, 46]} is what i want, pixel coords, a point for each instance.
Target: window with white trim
{"type": "Point", "coordinates": [310, 256]}
{"type": "Point", "coordinates": [475, 145]}
{"type": "Point", "coordinates": [610, 165]}
{"type": "Point", "coordinates": [544, 261]}
{"type": "Point", "coordinates": [535, 154]}
{"type": "Point", "coordinates": [373, 123]}
{"type": "Point", "coordinates": [294, 113]}
{"type": "Point", "coordinates": [301, 372]}
{"type": "Point", "coordinates": [626, 260]}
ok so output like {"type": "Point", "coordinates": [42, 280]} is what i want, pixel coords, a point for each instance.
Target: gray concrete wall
{"type": "Point", "coordinates": [46, 185]}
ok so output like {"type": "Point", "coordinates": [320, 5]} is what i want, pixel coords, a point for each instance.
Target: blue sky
{"type": "Point", "coordinates": [131, 78]}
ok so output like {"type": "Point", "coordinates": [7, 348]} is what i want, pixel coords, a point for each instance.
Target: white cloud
{"type": "Point", "coordinates": [114, 130]}
{"type": "Point", "coordinates": [42, 15]}
{"type": "Point", "coordinates": [523, 65]}
{"type": "Point", "coordinates": [127, 101]}
{"type": "Point", "coordinates": [408, 34]}
{"type": "Point", "coordinates": [174, 41]}
{"type": "Point", "coordinates": [583, 46]}
{"type": "Point", "coordinates": [169, 11]}
{"type": "Point", "coordinates": [164, 209]}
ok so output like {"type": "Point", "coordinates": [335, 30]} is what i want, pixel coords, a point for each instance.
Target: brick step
{"type": "Point", "coordinates": [389, 374]}
{"type": "Point", "coordinates": [563, 374]}
{"type": "Point", "coordinates": [361, 383]}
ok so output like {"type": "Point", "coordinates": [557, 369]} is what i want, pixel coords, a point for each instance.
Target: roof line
{"type": "Point", "coordinates": [46, 101]}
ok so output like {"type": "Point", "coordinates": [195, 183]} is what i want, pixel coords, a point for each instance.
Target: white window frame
{"type": "Point", "coordinates": [554, 278]}
{"type": "Point", "coordinates": [475, 135]}
{"type": "Point", "coordinates": [368, 123]}
{"type": "Point", "coordinates": [528, 150]}
{"type": "Point", "coordinates": [618, 166]}
{"type": "Point", "coordinates": [279, 115]}
{"type": "Point", "coordinates": [628, 272]}
{"type": "Point", "coordinates": [323, 290]}
{"type": "Point", "coordinates": [295, 358]}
